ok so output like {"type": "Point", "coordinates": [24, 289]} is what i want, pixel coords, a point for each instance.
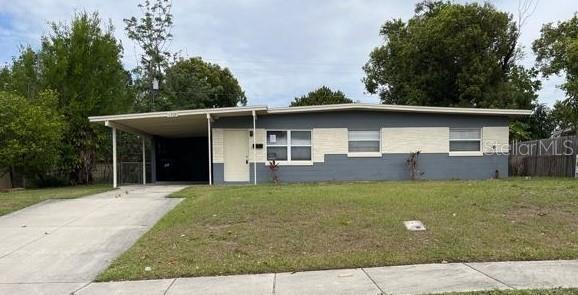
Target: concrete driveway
{"type": "Point", "coordinates": [59, 246]}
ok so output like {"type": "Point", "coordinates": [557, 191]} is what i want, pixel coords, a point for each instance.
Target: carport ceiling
{"type": "Point", "coordinates": [188, 126]}
{"type": "Point", "coordinates": [175, 124]}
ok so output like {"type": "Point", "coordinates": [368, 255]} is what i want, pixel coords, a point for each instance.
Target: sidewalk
{"type": "Point", "coordinates": [410, 279]}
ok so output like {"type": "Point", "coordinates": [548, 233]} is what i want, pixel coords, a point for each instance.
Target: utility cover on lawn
{"type": "Point", "coordinates": [414, 225]}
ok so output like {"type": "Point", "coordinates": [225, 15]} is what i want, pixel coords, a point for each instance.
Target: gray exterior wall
{"type": "Point", "coordinates": [359, 120]}
{"type": "Point", "coordinates": [388, 166]}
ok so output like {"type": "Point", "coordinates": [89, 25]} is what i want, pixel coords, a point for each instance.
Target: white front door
{"type": "Point", "coordinates": [236, 155]}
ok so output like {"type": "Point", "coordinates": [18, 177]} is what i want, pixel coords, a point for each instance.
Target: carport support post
{"type": "Point", "coordinates": [144, 162]}
{"type": "Point", "coordinates": [254, 148]}
{"type": "Point", "coordinates": [210, 152]}
{"type": "Point", "coordinates": [114, 176]}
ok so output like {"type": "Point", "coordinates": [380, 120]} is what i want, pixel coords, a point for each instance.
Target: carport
{"type": "Point", "coordinates": [180, 140]}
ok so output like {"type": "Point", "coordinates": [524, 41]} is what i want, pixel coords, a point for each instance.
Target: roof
{"type": "Point", "coordinates": [400, 108]}
{"type": "Point", "coordinates": [193, 122]}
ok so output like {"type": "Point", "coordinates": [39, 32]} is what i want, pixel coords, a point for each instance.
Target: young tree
{"type": "Point", "coordinates": [451, 54]}
{"type": "Point", "coordinates": [152, 33]}
{"type": "Point", "coordinates": [81, 61]}
{"type": "Point", "coordinates": [322, 95]}
{"type": "Point", "coordinates": [192, 83]}
{"type": "Point", "coordinates": [30, 133]}
{"type": "Point", "coordinates": [557, 52]}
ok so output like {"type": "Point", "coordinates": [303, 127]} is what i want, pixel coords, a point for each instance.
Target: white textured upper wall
{"type": "Point", "coordinates": [410, 139]}
{"type": "Point", "coordinates": [218, 148]}
{"type": "Point", "coordinates": [496, 139]}
{"type": "Point", "coordinates": [260, 138]}
{"type": "Point", "coordinates": [328, 141]}
{"type": "Point", "coordinates": [395, 140]}
{"type": "Point", "coordinates": [218, 145]}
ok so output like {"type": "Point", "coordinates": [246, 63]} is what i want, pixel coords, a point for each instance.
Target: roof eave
{"type": "Point", "coordinates": [402, 108]}
{"type": "Point", "coordinates": [172, 114]}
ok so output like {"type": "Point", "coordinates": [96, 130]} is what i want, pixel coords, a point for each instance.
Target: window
{"type": "Point", "coordinates": [277, 144]}
{"type": "Point", "coordinates": [300, 145]}
{"type": "Point", "coordinates": [465, 139]}
{"type": "Point", "coordinates": [289, 145]}
{"type": "Point", "coordinates": [364, 141]}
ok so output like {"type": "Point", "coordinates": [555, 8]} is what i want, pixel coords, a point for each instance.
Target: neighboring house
{"type": "Point", "coordinates": [322, 143]}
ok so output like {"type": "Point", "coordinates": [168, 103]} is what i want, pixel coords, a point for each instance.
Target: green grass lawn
{"type": "Point", "coordinates": [524, 292]}
{"type": "Point", "coordinates": [267, 228]}
{"type": "Point", "coordinates": [16, 200]}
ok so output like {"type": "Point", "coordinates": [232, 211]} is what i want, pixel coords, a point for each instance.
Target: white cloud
{"type": "Point", "coordinates": [277, 49]}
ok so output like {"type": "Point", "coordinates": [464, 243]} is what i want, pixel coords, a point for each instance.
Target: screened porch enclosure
{"type": "Point", "coordinates": [182, 159]}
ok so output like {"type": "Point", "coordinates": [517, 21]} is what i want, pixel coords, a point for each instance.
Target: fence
{"type": "Point", "coordinates": [128, 172]}
{"type": "Point", "coordinates": [544, 157]}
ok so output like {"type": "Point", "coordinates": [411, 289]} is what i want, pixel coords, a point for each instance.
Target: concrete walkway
{"type": "Point", "coordinates": [59, 246]}
{"type": "Point", "coordinates": [411, 279]}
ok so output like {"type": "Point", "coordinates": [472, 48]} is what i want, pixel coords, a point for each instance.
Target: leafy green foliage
{"type": "Point", "coordinates": [23, 77]}
{"type": "Point", "coordinates": [82, 62]}
{"type": "Point", "coordinates": [192, 83]}
{"type": "Point", "coordinates": [152, 33]}
{"type": "Point", "coordinates": [451, 55]}
{"type": "Point", "coordinates": [5, 78]}
{"type": "Point", "coordinates": [565, 113]}
{"type": "Point", "coordinates": [539, 125]}
{"type": "Point", "coordinates": [30, 133]}
{"type": "Point", "coordinates": [320, 96]}
{"type": "Point", "coordinates": [557, 52]}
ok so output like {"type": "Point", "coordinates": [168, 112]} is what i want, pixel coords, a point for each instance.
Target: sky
{"type": "Point", "coordinates": [277, 49]}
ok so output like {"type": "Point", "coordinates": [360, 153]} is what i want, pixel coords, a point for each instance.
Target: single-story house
{"type": "Point", "coordinates": [320, 143]}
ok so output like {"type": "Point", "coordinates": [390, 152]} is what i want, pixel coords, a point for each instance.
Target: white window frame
{"type": "Point", "coordinates": [377, 154]}
{"type": "Point", "coordinates": [289, 144]}
{"type": "Point", "coordinates": [466, 153]}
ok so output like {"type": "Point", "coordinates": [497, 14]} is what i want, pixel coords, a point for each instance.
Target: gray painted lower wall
{"type": "Point", "coordinates": [388, 167]}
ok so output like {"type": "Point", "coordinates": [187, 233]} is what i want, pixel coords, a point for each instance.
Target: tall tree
{"type": "Point", "coordinates": [541, 124]}
{"type": "Point", "coordinates": [192, 83]}
{"type": "Point", "coordinates": [152, 33]}
{"type": "Point", "coordinates": [5, 79]}
{"type": "Point", "coordinates": [451, 54]}
{"type": "Point", "coordinates": [81, 61]}
{"type": "Point", "coordinates": [322, 95]}
{"type": "Point", "coordinates": [25, 74]}
{"type": "Point", "coordinates": [557, 52]}
{"type": "Point", "coordinates": [30, 133]}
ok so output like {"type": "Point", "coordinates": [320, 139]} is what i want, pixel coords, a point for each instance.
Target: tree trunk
{"type": "Point", "coordinates": [11, 172]}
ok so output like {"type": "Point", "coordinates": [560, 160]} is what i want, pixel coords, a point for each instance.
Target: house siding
{"type": "Point", "coordinates": [401, 134]}
{"type": "Point", "coordinates": [360, 120]}
{"type": "Point", "coordinates": [397, 140]}
{"type": "Point", "coordinates": [387, 167]}
{"type": "Point", "coordinates": [327, 141]}
{"type": "Point", "coordinates": [496, 139]}
{"type": "Point", "coordinates": [260, 154]}
{"type": "Point", "coordinates": [218, 142]}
